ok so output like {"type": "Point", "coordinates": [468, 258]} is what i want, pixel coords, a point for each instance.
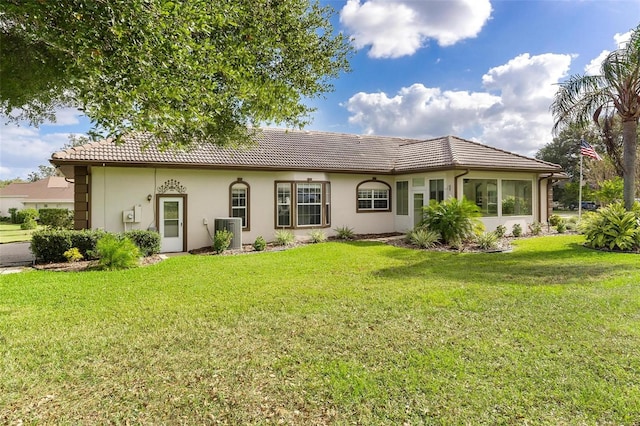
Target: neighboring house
{"type": "Point", "coordinates": [54, 192]}
{"type": "Point", "coordinates": [298, 180]}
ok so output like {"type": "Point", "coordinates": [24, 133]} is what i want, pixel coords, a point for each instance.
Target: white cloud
{"type": "Point", "coordinates": [513, 112]}
{"type": "Point", "coordinates": [593, 67]}
{"type": "Point", "coordinates": [395, 28]}
{"type": "Point", "coordinates": [622, 39]}
{"type": "Point", "coordinates": [24, 148]}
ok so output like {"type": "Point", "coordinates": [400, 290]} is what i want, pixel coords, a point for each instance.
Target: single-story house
{"type": "Point", "coordinates": [53, 192]}
{"type": "Point", "coordinates": [297, 180]}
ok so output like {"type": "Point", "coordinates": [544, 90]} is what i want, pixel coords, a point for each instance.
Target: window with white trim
{"type": "Point", "coordinates": [239, 202]}
{"type": "Point", "coordinates": [303, 204]}
{"type": "Point", "coordinates": [373, 196]}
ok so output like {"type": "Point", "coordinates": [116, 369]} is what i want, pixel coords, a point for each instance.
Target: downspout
{"type": "Point", "coordinates": [540, 179]}
{"type": "Point", "coordinates": [455, 183]}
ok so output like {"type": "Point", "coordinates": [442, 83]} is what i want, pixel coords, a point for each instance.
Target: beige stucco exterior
{"type": "Point", "coordinates": [206, 196]}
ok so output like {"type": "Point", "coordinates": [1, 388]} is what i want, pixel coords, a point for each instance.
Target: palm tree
{"type": "Point", "coordinates": [616, 90]}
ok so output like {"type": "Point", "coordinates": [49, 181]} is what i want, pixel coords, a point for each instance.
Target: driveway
{"type": "Point", "coordinates": [15, 254]}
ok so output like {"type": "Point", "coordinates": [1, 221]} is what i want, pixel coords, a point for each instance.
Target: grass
{"type": "Point", "coordinates": [333, 333]}
{"type": "Point", "coordinates": [11, 233]}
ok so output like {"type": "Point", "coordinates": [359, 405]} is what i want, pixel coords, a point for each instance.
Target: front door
{"type": "Point", "coordinates": [171, 221]}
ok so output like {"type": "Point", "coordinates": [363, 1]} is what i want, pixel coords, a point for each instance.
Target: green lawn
{"type": "Point", "coordinates": [11, 233]}
{"type": "Point", "coordinates": [334, 333]}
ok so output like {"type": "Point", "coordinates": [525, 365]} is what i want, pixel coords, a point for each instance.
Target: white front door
{"type": "Point", "coordinates": [171, 224]}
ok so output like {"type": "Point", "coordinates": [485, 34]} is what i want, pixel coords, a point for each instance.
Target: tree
{"type": "Point", "coordinates": [42, 173]}
{"type": "Point", "coordinates": [616, 91]}
{"type": "Point", "coordinates": [186, 70]}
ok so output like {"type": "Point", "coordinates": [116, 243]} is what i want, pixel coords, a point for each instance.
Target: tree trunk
{"type": "Point", "coordinates": [630, 142]}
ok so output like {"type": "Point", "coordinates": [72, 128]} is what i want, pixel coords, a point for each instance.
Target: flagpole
{"type": "Point", "coordinates": [580, 191]}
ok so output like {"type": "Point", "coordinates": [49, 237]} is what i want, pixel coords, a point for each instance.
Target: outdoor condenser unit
{"type": "Point", "coordinates": [233, 225]}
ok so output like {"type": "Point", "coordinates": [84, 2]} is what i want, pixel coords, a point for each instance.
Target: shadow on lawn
{"type": "Point", "coordinates": [568, 264]}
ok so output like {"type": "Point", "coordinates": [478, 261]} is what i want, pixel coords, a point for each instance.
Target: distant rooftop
{"type": "Point", "coordinates": [54, 188]}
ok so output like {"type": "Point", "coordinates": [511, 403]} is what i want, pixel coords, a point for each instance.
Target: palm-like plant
{"type": "Point", "coordinates": [616, 91]}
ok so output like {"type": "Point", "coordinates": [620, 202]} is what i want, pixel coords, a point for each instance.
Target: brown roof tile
{"type": "Point", "coordinates": [309, 150]}
{"type": "Point", "coordinates": [51, 188]}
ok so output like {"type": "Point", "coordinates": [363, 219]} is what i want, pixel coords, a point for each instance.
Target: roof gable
{"type": "Point", "coordinates": [281, 149]}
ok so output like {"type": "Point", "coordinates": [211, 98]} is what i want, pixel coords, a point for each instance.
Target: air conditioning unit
{"type": "Point", "coordinates": [233, 225]}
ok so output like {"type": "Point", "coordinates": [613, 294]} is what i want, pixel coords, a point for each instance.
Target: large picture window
{"type": "Point", "coordinates": [373, 195]}
{"type": "Point", "coordinates": [302, 204]}
{"type": "Point", "coordinates": [239, 202]}
{"type": "Point", "coordinates": [516, 197]}
{"type": "Point", "coordinates": [483, 192]}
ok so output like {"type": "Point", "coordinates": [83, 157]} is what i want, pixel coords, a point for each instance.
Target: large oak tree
{"type": "Point", "coordinates": [185, 70]}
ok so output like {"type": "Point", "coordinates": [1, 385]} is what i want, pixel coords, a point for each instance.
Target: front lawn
{"type": "Point", "coordinates": [334, 333]}
{"type": "Point", "coordinates": [11, 233]}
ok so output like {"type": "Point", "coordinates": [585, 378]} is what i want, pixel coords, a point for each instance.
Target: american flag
{"type": "Point", "coordinates": [586, 149]}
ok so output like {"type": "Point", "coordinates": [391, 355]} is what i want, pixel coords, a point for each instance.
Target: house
{"type": "Point", "coordinates": [54, 192]}
{"type": "Point", "coordinates": [297, 180]}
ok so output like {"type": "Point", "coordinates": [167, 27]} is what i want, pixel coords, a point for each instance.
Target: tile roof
{"type": "Point", "coordinates": [280, 149]}
{"type": "Point", "coordinates": [54, 188]}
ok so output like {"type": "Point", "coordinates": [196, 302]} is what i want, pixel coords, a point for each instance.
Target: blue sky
{"type": "Point", "coordinates": [480, 69]}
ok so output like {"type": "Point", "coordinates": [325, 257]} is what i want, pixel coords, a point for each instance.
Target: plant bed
{"type": "Point", "coordinates": [90, 265]}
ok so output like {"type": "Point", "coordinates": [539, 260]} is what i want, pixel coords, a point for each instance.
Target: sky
{"type": "Point", "coordinates": [484, 70]}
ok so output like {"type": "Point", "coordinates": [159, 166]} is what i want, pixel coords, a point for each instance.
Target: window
{"type": "Point", "coordinates": [417, 182]}
{"type": "Point", "coordinates": [283, 197]}
{"type": "Point", "coordinates": [301, 204]}
{"type": "Point", "coordinates": [402, 198]}
{"type": "Point", "coordinates": [436, 189]}
{"type": "Point", "coordinates": [516, 197]}
{"type": "Point", "coordinates": [239, 202]}
{"type": "Point", "coordinates": [484, 192]}
{"type": "Point", "coordinates": [373, 195]}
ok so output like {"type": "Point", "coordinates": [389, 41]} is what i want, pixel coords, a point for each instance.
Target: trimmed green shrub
{"type": "Point", "coordinates": [612, 227]}
{"type": "Point", "coordinates": [317, 236]}
{"type": "Point", "coordinates": [500, 231]}
{"type": "Point", "coordinates": [85, 240]}
{"type": "Point", "coordinates": [344, 233]}
{"type": "Point", "coordinates": [259, 244]}
{"type": "Point", "coordinates": [147, 241]}
{"type": "Point", "coordinates": [423, 238]}
{"type": "Point", "coordinates": [117, 253]}
{"type": "Point", "coordinates": [455, 220]}
{"type": "Point", "coordinates": [56, 218]}
{"type": "Point", "coordinates": [49, 245]}
{"type": "Point", "coordinates": [222, 240]}
{"type": "Point", "coordinates": [284, 238]}
{"type": "Point", "coordinates": [487, 240]}
{"type": "Point", "coordinates": [516, 230]}
{"type": "Point", "coordinates": [29, 223]}
{"type": "Point", "coordinates": [13, 212]}
{"type": "Point", "coordinates": [25, 214]}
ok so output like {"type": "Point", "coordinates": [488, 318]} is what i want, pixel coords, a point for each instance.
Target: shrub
{"type": "Point", "coordinates": [455, 220]}
{"type": "Point", "coordinates": [259, 244]}
{"type": "Point", "coordinates": [49, 245]}
{"type": "Point", "coordinates": [535, 228]}
{"type": "Point", "coordinates": [85, 240]}
{"type": "Point", "coordinates": [73, 255]}
{"type": "Point", "coordinates": [561, 228]}
{"type": "Point", "coordinates": [516, 230]}
{"type": "Point", "coordinates": [117, 253]}
{"type": "Point", "coordinates": [147, 241]}
{"type": "Point", "coordinates": [13, 212]}
{"type": "Point", "coordinates": [317, 236]}
{"type": "Point", "coordinates": [29, 223]}
{"type": "Point", "coordinates": [612, 227]}
{"type": "Point", "coordinates": [344, 233]}
{"type": "Point", "coordinates": [500, 231]}
{"type": "Point", "coordinates": [222, 240]}
{"type": "Point", "coordinates": [423, 238]}
{"type": "Point", "coordinates": [284, 238]}
{"type": "Point", "coordinates": [555, 219]}
{"type": "Point", "coordinates": [487, 240]}
{"type": "Point", "coordinates": [56, 218]}
{"type": "Point", "coordinates": [25, 214]}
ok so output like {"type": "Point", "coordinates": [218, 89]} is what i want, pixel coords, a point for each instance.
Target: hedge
{"type": "Point", "coordinates": [56, 218]}
{"type": "Point", "coordinates": [48, 245]}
